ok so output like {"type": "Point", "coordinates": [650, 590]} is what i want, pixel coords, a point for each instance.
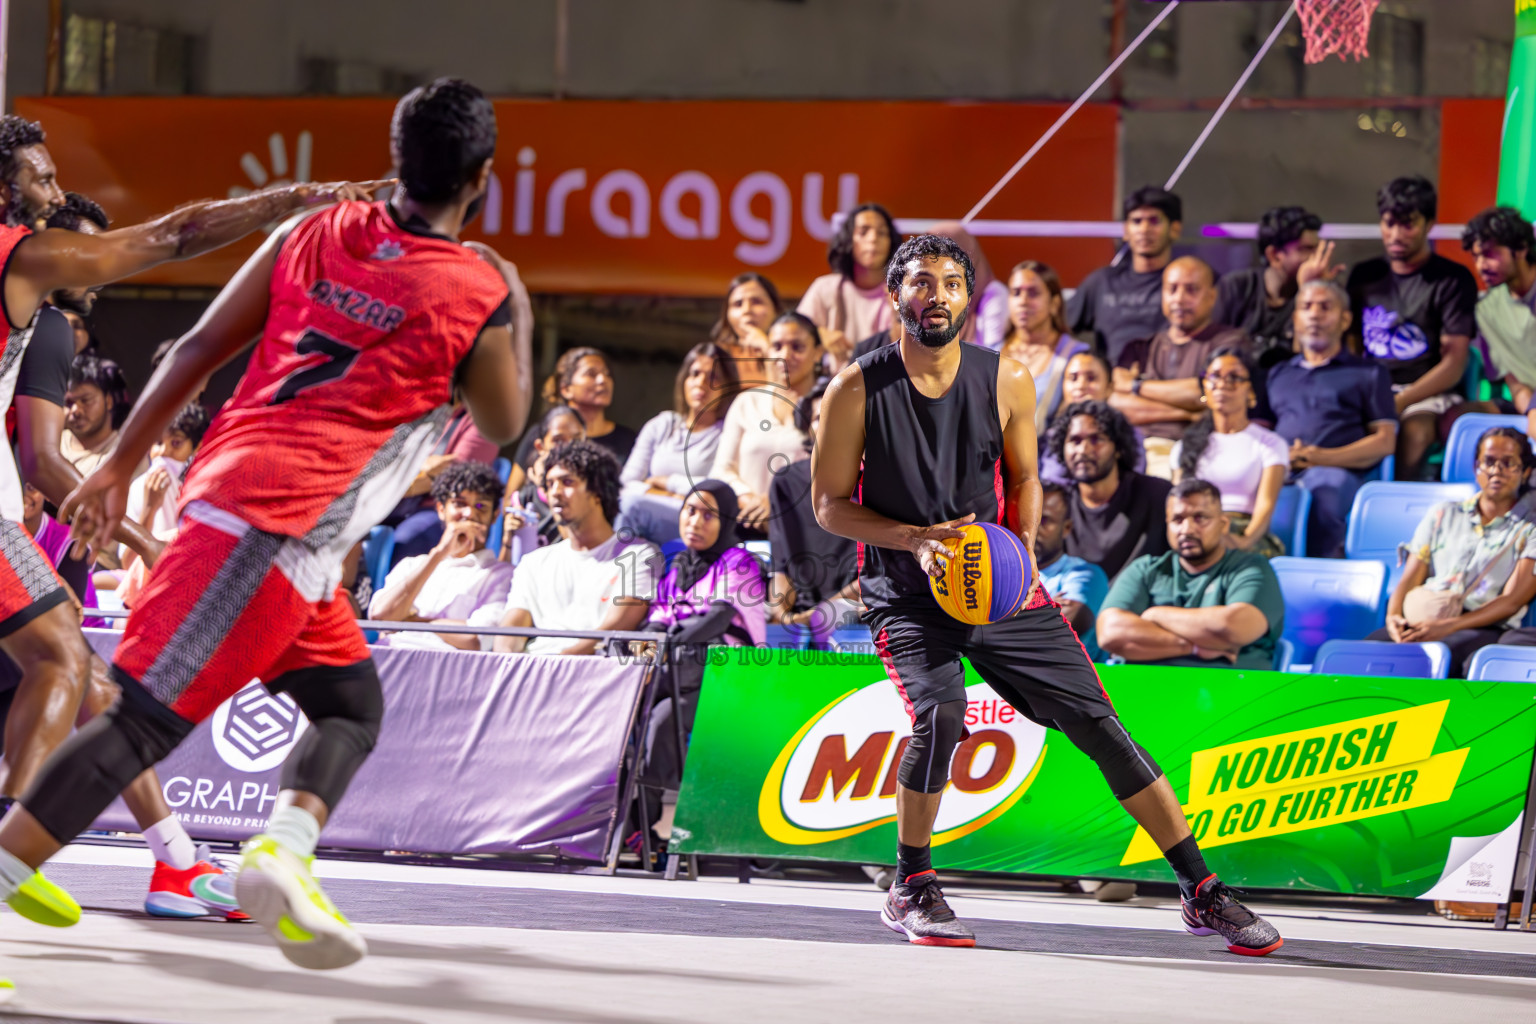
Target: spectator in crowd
{"type": "Point", "coordinates": [153, 498]}
{"type": "Point", "coordinates": [1123, 302]}
{"type": "Point", "coordinates": [1261, 301]}
{"type": "Point", "coordinates": [1088, 378]}
{"type": "Point", "coordinates": [712, 594]}
{"type": "Point", "coordinates": [593, 579]}
{"type": "Point", "coordinates": [1471, 568]}
{"type": "Point", "coordinates": [529, 503]}
{"type": "Point", "coordinates": [1504, 246]}
{"type": "Point", "coordinates": [1334, 409]}
{"type": "Point", "coordinates": [851, 303]}
{"type": "Point", "coordinates": [83, 214]}
{"type": "Point", "coordinates": [459, 582]}
{"type": "Point", "coordinates": [1077, 585]}
{"type": "Point", "coordinates": [1157, 383]}
{"type": "Point", "coordinates": [1116, 513]}
{"type": "Point", "coordinates": [1201, 604]}
{"type": "Point", "coordinates": [95, 406]}
{"type": "Point", "coordinates": [760, 435]}
{"type": "Point", "coordinates": [52, 537]}
{"type": "Point", "coordinates": [676, 448]}
{"type": "Point", "coordinates": [751, 305]}
{"type": "Point", "coordinates": [815, 573]}
{"type": "Point", "coordinates": [1037, 334]}
{"type": "Point", "coordinates": [417, 525]}
{"type": "Point", "coordinates": [1414, 310]}
{"type": "Point", "coordinates": [1245, 462]}
{"type": "Point", "coordinates": [583, 381]}
{"type": "Point", "coordinates": [986, 321]}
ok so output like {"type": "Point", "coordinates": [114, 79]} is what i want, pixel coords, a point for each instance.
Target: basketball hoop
{"type": "Point", "coordinates": [1336, 26]}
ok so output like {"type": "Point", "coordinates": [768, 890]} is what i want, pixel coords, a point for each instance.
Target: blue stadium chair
{"type": "Point", "coordinates": [1386, 513]}
{"type": "Point", "coordinates": [1386, 469]}
{"type": "Point", "coordinates": [1461, 446]}
{"type": "Point", "coordinates": [783, 636]}
{"type": "Point", "coordinates": [503, 469]}
{"type": "Point", "coordinates": [1498, 663]}
{"type": "Point", "coordinates": [1327, 598]}
{"type": "Point", "coordinates": [377, 550]}
{"type": "Point", "coordinates": [1369, 658]}
{"type": "Point", "coordinates": [1289, 522]}
{"type": "Point", "coordinates": [671, 549]}
{"type": "Point", "coordinates": [1285, 653]}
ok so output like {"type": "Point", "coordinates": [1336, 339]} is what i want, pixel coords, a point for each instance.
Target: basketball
{"type": "Point", "coordinates": [987, 577]}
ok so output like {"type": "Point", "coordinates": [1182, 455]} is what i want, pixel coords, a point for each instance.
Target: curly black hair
{"type": "Point", "coordinates": [919, 246]}
{"type": "Point", "coordinates": [466, 478]}
{"type": "Point", "coordinates": [1403, 197]}
{"type": "Point", "coordinates": [1282, 225]}
{"type": "Point", "coordinates": [443, 133]}
{"type": "Point", "coordinates": [16, 132]}
{"type": "Point", "coordinates": [76, 209]}
{"type": "Point", "coordinates": [596, 467]}
{"type": "Point", "coordinates": [105, 375]}
{"type": "Point", "coordinates": [191, 423]}
{"type": "Point", "coordinates": [1500, 225]}
{"type": "Point", "coordinates": [840, 247]}
{"type": "Point", "coordinates": [1109, 419]}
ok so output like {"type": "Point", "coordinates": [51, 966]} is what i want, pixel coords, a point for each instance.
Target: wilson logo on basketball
{"type": "Point", "coordinates": [971, 553]}
{"type": "Point", "coordinates": [837, 775]}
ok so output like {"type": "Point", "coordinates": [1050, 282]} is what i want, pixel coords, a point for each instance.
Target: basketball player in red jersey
{"type": "Point", "coordinates": [39, 629]}
{"type": "Point", "coordinates": [934, 433]}
{"type": "Point", "coordinates": [372, 319]}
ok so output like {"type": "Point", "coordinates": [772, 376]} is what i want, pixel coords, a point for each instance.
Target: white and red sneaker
{"type": "Point", "coordinates": [203, 890]}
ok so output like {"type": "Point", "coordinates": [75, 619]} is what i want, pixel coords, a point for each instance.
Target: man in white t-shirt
{"type": "Point", "coordinates": [459, 582]}
{"type": "Point", "coordinates": [594, 579]}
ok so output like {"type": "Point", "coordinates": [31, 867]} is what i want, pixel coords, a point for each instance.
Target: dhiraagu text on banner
{"type": "Point", "coordinates": [1397, 787]}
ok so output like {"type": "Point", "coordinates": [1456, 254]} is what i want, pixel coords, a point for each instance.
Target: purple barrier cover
{"type": "Point", "coordinates": [479, 753]}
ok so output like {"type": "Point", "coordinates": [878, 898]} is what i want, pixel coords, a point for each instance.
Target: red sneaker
{"type": "Point", "coordinates": [203, 890]}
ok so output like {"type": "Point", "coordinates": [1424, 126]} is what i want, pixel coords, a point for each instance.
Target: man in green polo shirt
{"type": "Point", "coordinates": [1201, 604]}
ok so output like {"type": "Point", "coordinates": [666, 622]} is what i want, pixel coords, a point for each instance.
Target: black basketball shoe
{"type": "Point", "coordinates": [1216, 911]}
{"type": "Point", "coordinates": [916, 908]}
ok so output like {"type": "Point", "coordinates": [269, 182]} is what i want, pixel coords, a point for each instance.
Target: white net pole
{"type": "Point", "coordinates": [1210, 126]}
{"type": "Point", "coordinates": [1067, 115]}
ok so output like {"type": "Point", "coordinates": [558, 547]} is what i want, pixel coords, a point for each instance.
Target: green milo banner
{"type": "Point", "coordinates": [1517, 149]}
{"type": "Point", "coordinates": [1394, 787]}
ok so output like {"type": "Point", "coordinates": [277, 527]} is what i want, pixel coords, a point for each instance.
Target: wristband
{"type": "Point", "coordinates": [1136, 386]}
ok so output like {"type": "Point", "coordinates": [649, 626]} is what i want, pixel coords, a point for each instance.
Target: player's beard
{"type": "Point", "coordinates": [18, 211]}
{"type": "Point", "coordinates": [913, 325]}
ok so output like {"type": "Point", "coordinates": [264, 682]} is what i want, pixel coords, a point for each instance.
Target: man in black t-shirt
{"type": "Point", "coordinates": [1123, 302]}
{"type": "Point", "coordinates": [1117, 513]}
{"type": "Point", "coordinates": [1261, 300]}
{"type": "Point", "coordinates": [1413, 310]}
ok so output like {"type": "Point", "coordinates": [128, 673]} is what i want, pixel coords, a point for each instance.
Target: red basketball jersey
{"type": "Point", "coordinates": [16, 341]}
{"type": "Point", "coordinates": [350, 384]}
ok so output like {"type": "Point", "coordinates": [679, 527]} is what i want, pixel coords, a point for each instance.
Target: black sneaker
{"type": "Point", "coordinates": [1216, 911]}
{"type": "Point", "coordinates": [916, 908]}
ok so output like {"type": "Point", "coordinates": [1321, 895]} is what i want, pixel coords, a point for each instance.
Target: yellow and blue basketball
{"type": "Point", "coordinates": [987, 578]}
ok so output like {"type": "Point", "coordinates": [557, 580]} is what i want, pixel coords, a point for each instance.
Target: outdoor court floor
{"type": "Point", "coordinates": [462, 944]}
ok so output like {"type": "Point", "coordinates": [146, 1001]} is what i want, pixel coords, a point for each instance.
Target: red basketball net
{"type": "Point", "coordinates": [1336, 26]}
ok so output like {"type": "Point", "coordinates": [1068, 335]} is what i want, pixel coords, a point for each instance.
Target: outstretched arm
{"type": "Point", "coordinates": [497, 377]}
{"type": "Point", "coordinates": [68, 259]}
{"type": "Point", "coordinates": [234, 318]}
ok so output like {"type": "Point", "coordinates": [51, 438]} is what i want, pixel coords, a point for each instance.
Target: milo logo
{"type": "Point", "coordinates": [970, 565]}
{"type": "Point", "coordinates": [837, 776]}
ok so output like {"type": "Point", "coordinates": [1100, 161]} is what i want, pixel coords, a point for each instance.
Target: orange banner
{"type": "Point", "coordinates": [649, 197]}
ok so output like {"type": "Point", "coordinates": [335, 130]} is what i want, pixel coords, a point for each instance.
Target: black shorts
{"type": "Point", "coordinates": [1034, 661]}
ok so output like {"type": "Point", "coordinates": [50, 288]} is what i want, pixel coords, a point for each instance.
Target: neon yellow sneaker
{"type": "Point", "coordinates": [276, 888]}
{"type": "Point", "coordinates": [7, 990]}
{"type": "Point", "coordinates": [40, 900]}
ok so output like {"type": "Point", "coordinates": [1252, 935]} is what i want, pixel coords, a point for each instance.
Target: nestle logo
{"type": "Point", "coordinates": [1480, 874]}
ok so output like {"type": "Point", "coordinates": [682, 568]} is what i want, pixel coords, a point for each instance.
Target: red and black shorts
{"type": "Point", "coordinates": [228, 603]}
{"type": "Point", "coordinates": [28, 584]}
{"type": "Point", "coordinates": [1034, 660]}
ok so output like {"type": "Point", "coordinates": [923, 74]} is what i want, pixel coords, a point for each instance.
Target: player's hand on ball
{"type": "Point", "coordinates": [927, 543]}
{"type": "Point", "coordinates": [94, 509]}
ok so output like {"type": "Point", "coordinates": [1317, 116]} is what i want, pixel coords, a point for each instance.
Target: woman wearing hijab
{"type": "Point", "coordinates": [713, 594]}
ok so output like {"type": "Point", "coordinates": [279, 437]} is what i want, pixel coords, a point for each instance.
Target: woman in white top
{"type": "Point", "coordinates": [1246, 463]}
{"type": "Point", "coordinates": [760, 434]}
{"type": "Point", "coordinates": [676, 449]}
{"type": "Point", "coordinates": [851, 303]}
{"type": "Point", "coordinates": [1037, 334]}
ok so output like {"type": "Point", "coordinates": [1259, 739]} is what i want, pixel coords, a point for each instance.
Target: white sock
{"type": "Point", "coordinates": [296, 829]}
{"type": "Point", "coordinates": [12, 874]}
{"type": "Point", "coordinates": [170, 844]}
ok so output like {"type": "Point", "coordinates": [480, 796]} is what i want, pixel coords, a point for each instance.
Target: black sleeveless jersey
{"type": "Point", "coordinates": [926, 460]}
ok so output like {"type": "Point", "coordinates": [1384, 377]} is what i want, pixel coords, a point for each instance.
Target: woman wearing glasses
{"type": "Point", "coordinates": [1246, 462]}
{"type": "Point", "coordinates": [1469, 572]}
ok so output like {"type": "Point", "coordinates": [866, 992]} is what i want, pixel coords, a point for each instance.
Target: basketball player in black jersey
{"type": "Point", "coordinates": [944, 432]}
